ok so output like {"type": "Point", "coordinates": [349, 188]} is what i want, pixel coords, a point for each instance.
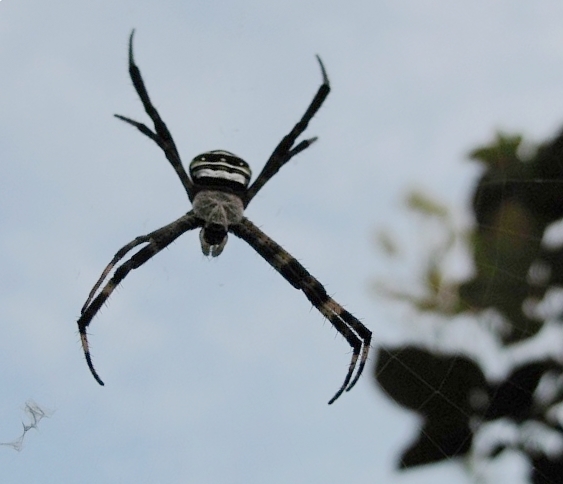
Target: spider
{"type": "Point", "coordinates": [218, 189]}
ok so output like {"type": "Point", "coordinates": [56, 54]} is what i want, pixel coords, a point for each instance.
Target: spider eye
{"type": "Point", "coordinates": [220, 168]}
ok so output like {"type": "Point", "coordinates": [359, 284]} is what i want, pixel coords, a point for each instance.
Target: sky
{"type": "Point", "coordinates": [218, 370]}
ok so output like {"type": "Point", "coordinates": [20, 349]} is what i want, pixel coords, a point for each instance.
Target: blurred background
{"type": "Point", "coordinates": [218, 370]}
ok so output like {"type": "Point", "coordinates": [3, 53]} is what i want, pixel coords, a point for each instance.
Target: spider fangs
{"type": "Point", "coordinates": [219, 189]}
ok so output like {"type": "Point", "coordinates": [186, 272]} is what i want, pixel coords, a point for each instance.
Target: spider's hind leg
{"type": "Point", "coordinates": [285, 149]}
{"type": "Point", "coordinates": [161, 135]}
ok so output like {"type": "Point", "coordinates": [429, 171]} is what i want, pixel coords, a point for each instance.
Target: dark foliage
{"type": "Point", "coordinates": [515, 201]}
{"type": "Point", "coordinates": [453, 398]}
{"type": "Point", "coordinates": [547, 470]}
{"type": "Point", "coordinates": [437, 388]}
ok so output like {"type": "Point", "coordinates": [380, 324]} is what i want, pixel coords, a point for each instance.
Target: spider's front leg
{"type": "Point", "coordinates": [157, 240]}
{"type": "Point", "coordinates": [355, 333]}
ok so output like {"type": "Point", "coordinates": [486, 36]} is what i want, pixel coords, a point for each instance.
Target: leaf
{"type": "Point", "coordinates": [421, 202]}
{"type": "Point", "coordinates": [499, 154]}
{"type": "Point", "coordinates": [430, 384]}
{"type": "Point", "coordinates": [438, 440]}
{"type": "Point", "coordinates": [514, 397]}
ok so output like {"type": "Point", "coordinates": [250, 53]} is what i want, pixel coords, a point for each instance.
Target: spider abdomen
{"type": "Point", "coordinates": [220, 168]}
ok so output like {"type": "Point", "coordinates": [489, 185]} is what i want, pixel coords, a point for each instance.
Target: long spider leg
{"type": "Point", "coordinates": [143, 129]}
{"type": "Point", "coordinates": [126, 248]}
{"type": "Point", "coordinates": [301, 146]}
{"type": "Point", "coordinates": [355, 333]}
{"type": "Point", "coordinates": [284, 152]}
{"type": "Point", "coordinates": [162, 137]}
{"type": "Point", "coordinates": [157, 241]}
{"type": "Point", "coordinates": [116, 258]}
{"type": "Point", "coordinates": [89, 312]}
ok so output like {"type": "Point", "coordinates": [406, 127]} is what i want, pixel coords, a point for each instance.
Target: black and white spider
{"type": "Point", "coordinates": [218, 188]}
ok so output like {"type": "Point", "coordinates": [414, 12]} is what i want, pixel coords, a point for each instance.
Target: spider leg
{"type": "Point", "coordinates": [355, 333]}
{"type": "Point", "coordinates": [157, 241]}
{"type": "Point", "coordinates": [116, 258]}
{"type": "Point", "coordinates": [161, 136]}
{"type": "Point", "coordinates": [285, 149]}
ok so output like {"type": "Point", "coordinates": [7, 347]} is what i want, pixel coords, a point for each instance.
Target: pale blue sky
{"type": "Point", "coordinates": [217, 371]}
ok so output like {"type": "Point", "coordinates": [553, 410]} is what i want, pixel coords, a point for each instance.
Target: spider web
{"type": "Point", "coordinates": [34, 414]}
{"type": "Point", "coordinates": [484, 372]}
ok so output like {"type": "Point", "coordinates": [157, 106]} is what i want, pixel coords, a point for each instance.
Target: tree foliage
{"type": "Point", "coordinates": [518, 198]}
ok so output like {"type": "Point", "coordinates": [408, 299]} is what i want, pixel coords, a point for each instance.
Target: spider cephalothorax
{"type": "Point", "coordinates": [218, 187]}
